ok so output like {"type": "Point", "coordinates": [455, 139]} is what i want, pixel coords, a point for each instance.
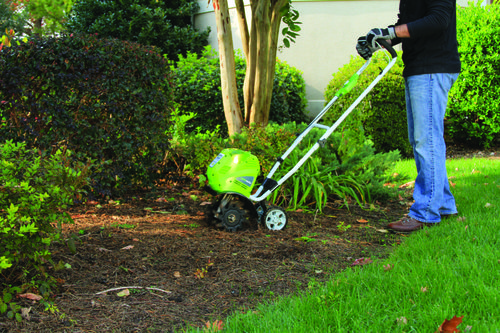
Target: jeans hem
{"type": "Point", "coordinates": [448, 212]}
{"type": "Point", "coordinates": [422, 220]}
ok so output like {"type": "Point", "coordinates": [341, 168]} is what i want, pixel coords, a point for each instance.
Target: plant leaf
{"type": "Point", "coordinates": [450, 326]}
{"type": "Point", "coordinates": [361, 262]}
{"type": "Point", "coordinates": [31, 296]}
{"type": "Point", "coordinates": [388, 267]}
{"type": "Point", "coordinates": [72, 245]}
{"type": "Point", "coordinates": [123, 293]}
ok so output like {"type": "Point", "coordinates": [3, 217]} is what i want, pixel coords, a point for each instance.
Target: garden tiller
{"type": "Point", "coordinates": [233, 173]}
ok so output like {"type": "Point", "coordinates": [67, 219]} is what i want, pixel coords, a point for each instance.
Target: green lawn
{"type": "Point", "coordinates": [436, 274]}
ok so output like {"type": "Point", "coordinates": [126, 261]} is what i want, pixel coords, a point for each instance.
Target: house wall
{"type": "Point", "coordinates": [327, 40]}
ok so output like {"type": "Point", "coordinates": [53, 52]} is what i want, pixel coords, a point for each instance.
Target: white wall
{"type": "Point", "coordinates": [328, 38]}
{"type": "Point", "coordinates": [327, 41]}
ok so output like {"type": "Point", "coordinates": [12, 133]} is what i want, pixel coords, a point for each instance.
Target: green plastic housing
{"type": "Point", "coordinates": [233, 170]}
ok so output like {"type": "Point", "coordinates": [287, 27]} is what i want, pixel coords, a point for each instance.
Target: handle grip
{"type": "Point", "coordinates": [386, 45]}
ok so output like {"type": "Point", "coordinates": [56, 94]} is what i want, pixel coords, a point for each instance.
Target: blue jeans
{"type": "Point", "coordinates": [426, 99]}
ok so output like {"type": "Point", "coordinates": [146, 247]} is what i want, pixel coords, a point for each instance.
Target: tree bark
{"type": "Point", "coordinates": [243, 24]}
{"type": "Point", "coordinates": [230, 101]}
{"type": "Point", "coordinates": [273, 49]}
{"type": "Point", "coordinates": [248, 86]}
{"type": "Point", "coordinates": [267, 22]}
{"type": "Point", "coordinates": [261, 43]}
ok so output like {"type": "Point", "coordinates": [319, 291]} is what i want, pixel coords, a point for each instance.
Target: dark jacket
{"type": "Point", "coordinates": [432, 46]}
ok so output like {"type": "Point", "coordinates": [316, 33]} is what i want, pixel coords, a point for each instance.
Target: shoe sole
{"type": "Point", "coordinates": [427, 225]}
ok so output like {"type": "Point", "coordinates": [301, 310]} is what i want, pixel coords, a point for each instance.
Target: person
{"type": "Point", "coordinates": [427, 31]}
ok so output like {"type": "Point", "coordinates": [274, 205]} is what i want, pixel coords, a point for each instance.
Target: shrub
{"type": "Point", "coordinates": [198, 89]}
{"type": "Point", "coordinates": [103, 99]}
{"type": "Point", "coordinates": [473, 104]}
{"type": "Point", "coordinates": [381, 115]}
{"type": "Point", "coordinates": [288, 102]}
{"type": "Point", "coordinates": [165, 24]}
{"type": "Point", "coordinates": [34, 192]}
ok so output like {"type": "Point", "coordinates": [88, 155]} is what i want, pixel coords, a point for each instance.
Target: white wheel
{"type": "Point", "coordinates": [275, 218]}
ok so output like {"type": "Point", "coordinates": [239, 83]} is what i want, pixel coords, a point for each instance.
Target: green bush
{"type": "Point", "coordinates": [165, 24]}
{"type": "Point", "coordinates": [288, 102]}
{"type": "Point", "coordinates": [381, 115]}
{"type": "Point", "coordinates": [106, 100]}
{"type": "Point", "coordinates": [197, 89]}
{"type": "Point", "coordinates": [34, 192]}
{"type": "Point", "coordinates": [474, 105]}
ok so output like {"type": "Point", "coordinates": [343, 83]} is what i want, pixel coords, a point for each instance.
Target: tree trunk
{"type": "Point", "coordinates": [273, 49]}
{"type": "Point", "coordinates": [249, 56]}
{"type": "Point", "coordinates": [261, 57]}
{"type": "Point", "coordinates": [242, 23]}
{"type": "Point", "coordinates": [248, 86]}
{"type": "Point", "coordinates": [260, 47]}
{"type": "Point", "coordinates": [38, 27]}
{"type": "Point", "coordinates": [261, 43]}
{"type": "Point", "coordinates": [231, 104]}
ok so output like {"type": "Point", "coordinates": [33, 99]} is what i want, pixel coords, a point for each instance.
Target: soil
{"type": "Point", "coordinates": [195, 272]}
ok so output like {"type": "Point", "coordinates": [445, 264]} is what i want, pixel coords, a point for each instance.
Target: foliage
{"type": "Point", "coordinates": [162, 23]}
{"type": "Point", "coordinates": [9, 19]}
{"type": "Point", "coordinates": [190, 151]}
{"type": "Point", "coordinates": [8, 307]}
{"type": "Point", "coordinates": [106, 100]}
{"type": "Point", "coordinates": [290, 17]}
{"type": "Point", "coordinates": [197, 89]}
{"type": "Point", "coordinates": [288, 101]}
{"type": "Point", "coordinates": [344, 168]}
{"type": "Point", "coordinates": [332, 172]}
{"type": "Point", "coordinates": [6, 39]}
{"type": "Point", "coordinates": [381, 115]}
{"type": "Point", "coordinates": [268, 143]}
{"type": "Point", "coordinates": [52, 12]}
{"type": "Point", "coordinates": [474, 104]}
{"type": "Point", "coordinates": [34, 191]}
{"type": "Point", "coordinates": [34, 16]}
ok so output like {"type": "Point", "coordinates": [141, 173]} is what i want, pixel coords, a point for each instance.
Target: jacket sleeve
{"type": "Point", "coordinates": [396, 40]}
{"type": "Point", "coordinates": [437, 18]}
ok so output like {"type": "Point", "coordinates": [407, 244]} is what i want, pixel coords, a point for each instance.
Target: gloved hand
{"type": "Point", "coordinates": [374, 34]}
{"type": "Point", "coordinates": [363, 48]}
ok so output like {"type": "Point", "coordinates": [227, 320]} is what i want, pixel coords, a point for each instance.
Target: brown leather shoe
{"type": "Point", "coordinates": [408, 224]}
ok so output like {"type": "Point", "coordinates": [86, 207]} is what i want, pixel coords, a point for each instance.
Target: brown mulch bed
{"type": "Point", "coordinates": [199, 274]}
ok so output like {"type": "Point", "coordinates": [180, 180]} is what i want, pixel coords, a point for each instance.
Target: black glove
{"type": "Point", "coordinates": [363, 48]}
{"type": "Point", "coordinates": [374, 34]}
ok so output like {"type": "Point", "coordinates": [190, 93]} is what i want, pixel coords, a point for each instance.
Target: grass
{"type": "Point", "coordinates": [436, 274]}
